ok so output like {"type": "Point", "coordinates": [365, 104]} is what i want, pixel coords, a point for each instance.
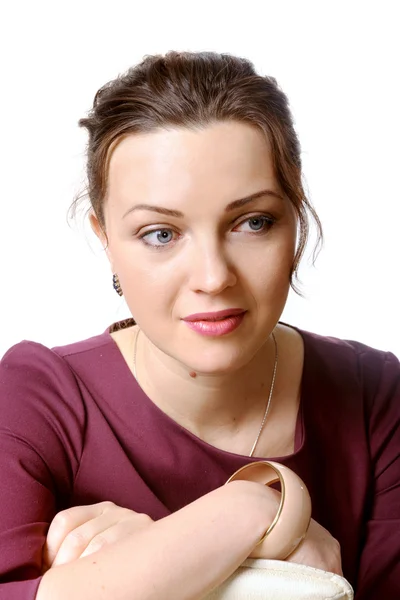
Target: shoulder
{"type": "Point", "coordinates": [44, 399]}
{"type": "Point", "coordinates": [33, 374]}
{"type": "Point", "coordinates": [361, 376]}
{"type": "Point", "coordinates": [354, 352]}
{"type": "Point", "coordinates": [38, 392]}
{"type": "Point", "coordinates": [34, 361]}
{"type": "Point", "coordinates": [41, 361]}
{"type": "Point", "coordinates": [44, 384]}
{"type": "Point", "coordinates": [349, 357]}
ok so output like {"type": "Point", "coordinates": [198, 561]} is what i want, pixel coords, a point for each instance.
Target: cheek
{"type": "Point", "coordinates": [269, 268]}
{"type": "Point", "coordinates": [271, 284]}
{"type": "Point", "coordinates": [149, 289]}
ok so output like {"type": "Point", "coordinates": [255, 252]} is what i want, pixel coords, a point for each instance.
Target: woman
{"type": "Point", "coordinates": [128, 437]}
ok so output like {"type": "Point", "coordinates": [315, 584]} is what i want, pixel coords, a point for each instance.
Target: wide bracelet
{"type": "Point", "coordinates": [292, 519]}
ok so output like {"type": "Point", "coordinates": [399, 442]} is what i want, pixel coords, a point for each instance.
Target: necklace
{"type": "Point", "coordinates": [270, 391]}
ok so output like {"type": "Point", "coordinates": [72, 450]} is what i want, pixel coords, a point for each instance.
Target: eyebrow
{"type": "Point", "coordinates": [230, 207]}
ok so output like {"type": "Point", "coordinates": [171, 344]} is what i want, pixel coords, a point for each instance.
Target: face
{"type": "Point", "coordinates": [196, 223]}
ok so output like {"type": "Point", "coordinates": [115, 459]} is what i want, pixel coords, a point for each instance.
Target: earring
{"type": "Point", "coordinates": [117, 285]}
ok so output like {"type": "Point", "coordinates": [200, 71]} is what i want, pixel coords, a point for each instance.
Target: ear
{"type": "Point", "coordinates": [100, 233]}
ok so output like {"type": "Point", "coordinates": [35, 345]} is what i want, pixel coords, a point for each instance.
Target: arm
{"type": "Point", "coordinates": [41, 436]}
{"type": "Point", "coordinates": [41, 431]}
{"type": "Point", "coordinates": [189, 552]}
{"type": "Point", "coordinates": [182, 556]}
{"type": "Point", "coordinates": [379, 573]}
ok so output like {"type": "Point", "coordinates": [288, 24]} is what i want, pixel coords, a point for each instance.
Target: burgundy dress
{"type": "Point", "coordinates": [76, 428]}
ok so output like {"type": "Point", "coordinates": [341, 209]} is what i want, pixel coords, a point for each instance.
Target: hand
{"type": "Point", "coordinates": [82, 530]}
{"type": "Point", "coordinates": [318, 549]}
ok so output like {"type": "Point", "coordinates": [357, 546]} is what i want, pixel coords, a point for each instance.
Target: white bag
{"type": "Point", "coordinates": [259, 579]}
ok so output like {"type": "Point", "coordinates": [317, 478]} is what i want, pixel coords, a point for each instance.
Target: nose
{"type": "Point", "coordinates": [211, 271]}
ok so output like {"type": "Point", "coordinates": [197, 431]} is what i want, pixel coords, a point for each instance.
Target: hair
{"type": "Point", "coordinates": [193, 90]}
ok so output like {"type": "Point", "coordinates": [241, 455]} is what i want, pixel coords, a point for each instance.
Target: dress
{"type": "Point", "coordinates": [76, 428]}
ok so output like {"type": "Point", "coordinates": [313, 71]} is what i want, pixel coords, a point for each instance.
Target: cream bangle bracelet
{"type": "Point", "coordinates": [292, 519]}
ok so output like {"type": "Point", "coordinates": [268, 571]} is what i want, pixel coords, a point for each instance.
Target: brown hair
{"type": "Point", "coordinates": [192, 90]}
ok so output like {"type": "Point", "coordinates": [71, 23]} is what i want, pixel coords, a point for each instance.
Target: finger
{"type": "Point", "coordinates": [77, 540]}
{"type": "Point", "coordinates": [65, 522]}
{"type": "Point", "coordinates": [117, 532]}
{"type": "Point", "coordinates": [112, 534]}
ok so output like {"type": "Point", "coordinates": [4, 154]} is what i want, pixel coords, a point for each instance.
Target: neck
{"type": "Point", "coordinates": [210, 406]}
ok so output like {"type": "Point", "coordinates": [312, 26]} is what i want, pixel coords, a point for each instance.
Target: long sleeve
{"type": "Point", "coordinates": [41, 433]}
{"type": "Point", "coordinates": [379, 572]}
{"type": "Point", "coordinates": [76, 429]}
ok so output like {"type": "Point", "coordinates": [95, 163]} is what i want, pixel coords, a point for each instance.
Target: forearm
{"type": "Point", "coordinates": [182, 556]}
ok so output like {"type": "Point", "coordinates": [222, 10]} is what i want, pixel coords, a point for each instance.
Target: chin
{"type": "Point", "coordinates": [215, 363]}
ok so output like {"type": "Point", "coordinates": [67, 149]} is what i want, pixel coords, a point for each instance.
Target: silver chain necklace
{"type": "Point", "coordinates": [270, 391]}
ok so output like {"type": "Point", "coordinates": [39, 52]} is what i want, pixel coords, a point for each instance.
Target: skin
{"type": "Point", "coordinates": [212, 260]}
{"type": "Point", "coordinates": [216, 387]}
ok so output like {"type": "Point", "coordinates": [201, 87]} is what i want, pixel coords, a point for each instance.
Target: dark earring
{"type": "Point", "coordinates": [117, 285]}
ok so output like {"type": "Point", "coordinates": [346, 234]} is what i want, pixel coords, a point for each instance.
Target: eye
{"type": "Point", "coordinates": [158, 237]}
{"type": "Point", "coordinates": [256, 224]}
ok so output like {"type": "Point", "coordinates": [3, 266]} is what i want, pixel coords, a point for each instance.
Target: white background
{"type": "Point", "coordinates": [337, 61]}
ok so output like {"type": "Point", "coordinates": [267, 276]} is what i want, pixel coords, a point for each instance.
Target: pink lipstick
{"type": "Point", "coordinates": [217, 323]}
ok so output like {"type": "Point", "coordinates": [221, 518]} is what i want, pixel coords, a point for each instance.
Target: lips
{"type": "Point", "coordinates": [216, 324]}
{"type": "Point", "coordinates": [214, 316]}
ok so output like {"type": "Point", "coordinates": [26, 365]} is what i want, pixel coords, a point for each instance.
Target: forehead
{"type": "Point", "coordinates": [225, 159]}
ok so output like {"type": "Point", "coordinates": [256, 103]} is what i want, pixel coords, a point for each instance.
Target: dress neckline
{"type": "Point", "coordinates": [300, 428]}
